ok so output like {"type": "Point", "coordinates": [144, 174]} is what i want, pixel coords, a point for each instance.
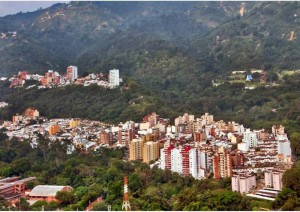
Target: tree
{"type": "Point", "coordinates": [134, 182]}
{"type": "Point", "coordinates": [81, 191]}
{"type": "Point", "coordinates": [39, 205]}
{"type": "Point", "coordinates": [20, 166]}
{"type": "Point", "coordinates": [291, 179]}
{"type": "Point", "coordinates": [65, 197]}
{"type": "Point", "coordinates": [23, 205]}
{"type": "Point", "coordinates": [100, 206]}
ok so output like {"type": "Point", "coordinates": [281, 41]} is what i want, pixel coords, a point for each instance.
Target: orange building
{"type": "Point", "coordinates": [31, 113]}
{"type": "Point", "coordinates": [54, 129]}
{"type": "Point", "coordinates": [47, 192]}
{"type": "Point", "coordinates": [17, 118]}
{"type": "Point", "coordinates": [222, 164]}
{"type": "Point", "coordinates": [150, 151]}
{"type": "Point", "coordinates": [12, 188]}
{"type": "Point", "coordinates": [136, 149]}
{"type": "Point", "coordinates": [106, 137]}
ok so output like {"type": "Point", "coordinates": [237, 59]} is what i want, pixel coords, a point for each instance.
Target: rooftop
{"type": "Point", "coordinates": [47, 190]}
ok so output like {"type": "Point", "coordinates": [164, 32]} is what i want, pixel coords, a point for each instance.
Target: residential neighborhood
{"type": "Point", "coordinates": [199, 147]}
{"type": "Point", "coordinates": [54, 79]}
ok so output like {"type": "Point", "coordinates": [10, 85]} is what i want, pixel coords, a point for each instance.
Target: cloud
{"type": "Point", "coordinates": [13, 7]}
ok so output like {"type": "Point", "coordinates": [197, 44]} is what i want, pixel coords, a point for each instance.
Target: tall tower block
{"type": "Point", "coordinates": [126, 203]}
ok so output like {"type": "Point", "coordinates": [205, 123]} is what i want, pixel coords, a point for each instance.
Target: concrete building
{"type": "Point", "coordinates": [176, 161]}
{"type": "Point", "coordinates": [136, 149]}
{"type": "Point", "coordinates": [114, 78]}
{"type": "Point", "coordinates": [204, 160]}
{"type": "Point", "coordinates": [125, 135]}
{"type": "Point", "coordinates": [72, 73]}
{"type": "Point", "coordinates": [53, 129]}
{"type": "Point", "coordinates": [166, 158]}
{"type": "Point", "coordinates": [186, 118]}
{"type": "Point", "coordinates": [243, 146]}
{"type": "Point", "coordinates": [222, 164]}
{"type": "Point", "coordinates": [243, 183]}
{"type": "Point", "coordinates": [12, 188]}
{"type": "Point", "coordinates": [194, 163]}
{"type": "Point", "coordinates": [152, 119]}
{"type": "Point", "coordinates": [250, 138]}
{"type": "Point", "coordinates": [278, 130]}
{"type": "Point", "coordinates": [17, 118]}
{"type": "Point", "coordinates": [273, 179]}
{"type": "Point", "coordinates": [284, 146]}
{"type": "Point", "coordinates": [150, 151]}
{"type": "Point", "coordinates": [74, 123]}
{"type": "Point", "coordinates": [185, 160]}
{"type": "Point", "coordinates": [106, 137]}
{"type": "Point", "coordinates": [208, 119]}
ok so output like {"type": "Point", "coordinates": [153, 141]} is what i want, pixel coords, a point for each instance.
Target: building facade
{"type": "Point", "coordinates": [150, 151]}
{"type": "Point", "coordinates": [114, 78]}
{"type": "Point", "coordinates": [72, 73]}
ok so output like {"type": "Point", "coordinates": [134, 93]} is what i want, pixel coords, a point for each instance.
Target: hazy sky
{"type": "Point", "coordinates": [13, 7]}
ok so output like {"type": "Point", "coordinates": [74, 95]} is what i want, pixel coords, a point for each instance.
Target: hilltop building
{"type": "Point", "coordinates": [72, 73]}
{"type": "Point", "coordinates": [114, 79]}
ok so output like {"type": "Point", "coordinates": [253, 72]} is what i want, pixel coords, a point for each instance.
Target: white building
{"type": "Point", "coordinates": [284, 146]}
{"type": "Point", "coordinates": [208, 119]}
{"type": "Point", "coordinates": [176, 161]}
{"type": "Point", "coordinates": [182, 160]}
{"type": "Point", "coordinates": [72, 72]}
{"type": "Point", "coordinates": [243, 183]}
{"type": "Point", "coordinates": [243, 146]}
{"type": "Point", "coordinates": [162, 164]}
{"type": "Point", "coordinates": [273, 179]}
{"type": "Point", "coordinates": [114, 79]}
{"type": "Point", "coordinates": [194, 161]}
{"type": "Point", "coordinates": [204, 160]}
{"type": "Point", "coordinates": [250, 138]}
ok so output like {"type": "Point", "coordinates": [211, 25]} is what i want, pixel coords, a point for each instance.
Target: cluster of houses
{"type": "Point", "coordinates": [84, 134]}
{"type": "Point", "coordinates": [197, 147]}
{"type": "Point", "coordinates": [55, 79]}
{"type": "Point", "coordinates": [245, 77]}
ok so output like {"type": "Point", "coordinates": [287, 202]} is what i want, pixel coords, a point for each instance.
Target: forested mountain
{"type": "Point", "coordinates": [167, 52]}
{"type": "Point", "coordinates": [66, 33]}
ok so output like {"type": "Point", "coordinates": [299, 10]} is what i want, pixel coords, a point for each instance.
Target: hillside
{"type": "Point", "coordinates": [259, 39]}
{"type": "Point", "coordinates": [171, 50]}
{"type": "Point", "coordinates": [63, 33]}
